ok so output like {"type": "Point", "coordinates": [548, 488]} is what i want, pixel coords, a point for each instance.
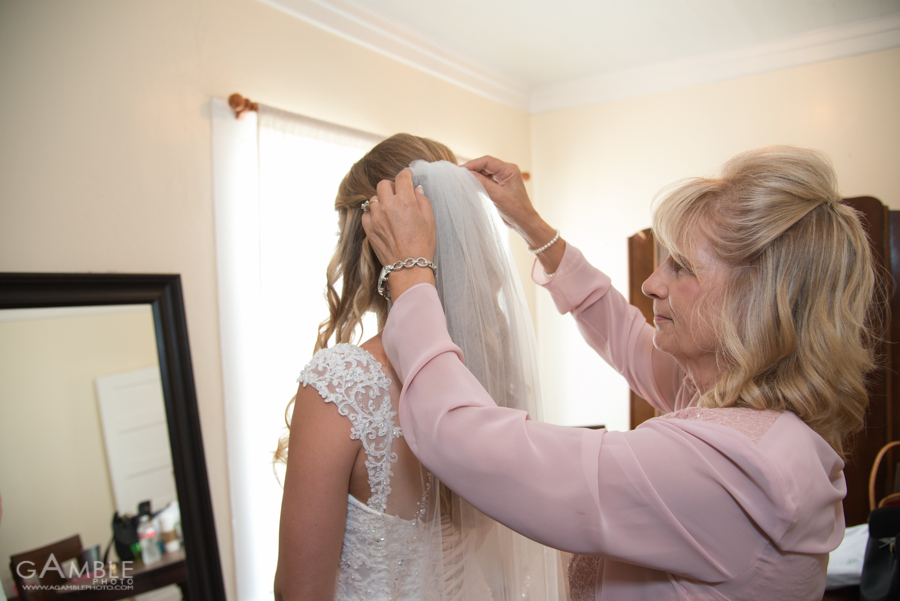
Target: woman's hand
{"type": "Point", "coordinates": [400, 225]}
{"type": "Point", "coordinates": [503, 183]}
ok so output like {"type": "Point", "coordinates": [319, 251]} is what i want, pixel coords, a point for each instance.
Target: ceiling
{"type": "Point", "coordinates": [539, 55]}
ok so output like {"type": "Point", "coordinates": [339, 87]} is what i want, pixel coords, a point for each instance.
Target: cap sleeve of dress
{"type": "Point", "coordinates": [354, 381]}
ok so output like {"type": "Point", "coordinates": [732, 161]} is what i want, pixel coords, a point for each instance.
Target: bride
{"type": "Point", "coordinates": [360, 517]}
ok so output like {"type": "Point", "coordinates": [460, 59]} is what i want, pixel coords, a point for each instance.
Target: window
{"type": "Point", "coordinates": [275, 179]}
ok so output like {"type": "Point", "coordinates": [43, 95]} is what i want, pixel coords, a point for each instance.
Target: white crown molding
{"type": "Point", "coordinates": [362, 26]}
{"type": "Point", "coordinates": [812, 47]}
{"type": "Point", "coordinates": [373, 31]}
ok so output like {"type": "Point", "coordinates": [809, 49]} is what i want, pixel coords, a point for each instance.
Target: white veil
{"type": "Point", "coordinates": [488, 319]}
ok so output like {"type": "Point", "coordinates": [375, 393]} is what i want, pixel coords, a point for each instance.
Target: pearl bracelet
{"type": "Point", "coordinates": [407, 264]}
{"type": "Point", "coordinates": [538, 251]}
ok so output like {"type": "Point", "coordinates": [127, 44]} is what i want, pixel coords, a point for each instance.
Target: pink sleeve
{"type": "Point", "coordinates": [614, 328]}
{"type": "Point", "coordinates": [633, 496]}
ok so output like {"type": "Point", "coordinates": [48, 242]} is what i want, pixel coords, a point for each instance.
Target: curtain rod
{"type": "Point", "coordinates": [241, 105]}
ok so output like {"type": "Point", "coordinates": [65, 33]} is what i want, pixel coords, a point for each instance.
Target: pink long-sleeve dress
{"type": "Point", "coordinates": [696, 504]}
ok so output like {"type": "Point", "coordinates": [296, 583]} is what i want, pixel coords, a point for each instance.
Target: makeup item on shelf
{"type": "Point", "coordinates": [148, 533]}
{"type": "Point", "coordinates": [167, 521]}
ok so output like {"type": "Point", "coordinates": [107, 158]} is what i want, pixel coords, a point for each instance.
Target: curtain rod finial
{"type": "Point", "coordinates": [241, 105]}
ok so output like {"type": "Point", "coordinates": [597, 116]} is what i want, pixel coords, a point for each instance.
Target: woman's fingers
{"type": "Point", "coordinates": [480, 164]}
{"type": "Point", "coordinates": [503, 183]}
{"type": "Point", "coordinates": [375, 238]}
{"type": "Point", "coordinates": [403, 185]}
{"type": "Point", "coordinates": [424, 205]}
{"type": "Point", "coordinates": [495, 193]}
{"type": "Point", "coordinates": [385, 189]}
{"type": "Point", "coordinates": [493, 168]}
{"type": "Point", "coordinates": [401, 224]}
{"type": "Point", "coordinates": [490, 186]}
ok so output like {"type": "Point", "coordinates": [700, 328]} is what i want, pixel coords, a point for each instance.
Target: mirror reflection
{"type": "Point", "coordinates": [85, 431]}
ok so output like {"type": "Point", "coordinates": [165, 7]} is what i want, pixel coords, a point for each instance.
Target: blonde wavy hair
{"type": "Point", "coordinates": [354, 263]}
{"type": "Point", "coordinates": [795, 331]}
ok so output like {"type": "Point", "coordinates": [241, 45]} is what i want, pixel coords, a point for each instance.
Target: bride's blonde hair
{"type": "Point", "coordinates": [354, 262]}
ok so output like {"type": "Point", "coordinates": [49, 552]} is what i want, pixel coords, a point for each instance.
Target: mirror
{"type": "Point", "coordinates": [131, 326]}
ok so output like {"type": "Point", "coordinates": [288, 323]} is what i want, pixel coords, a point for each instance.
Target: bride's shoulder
{"type": "Point", "coordinates": [340, 350]}
{"type": "Point", "coordinates": [342, 362]}
{"type": "Point", "coordinates": [339, 354]}
{"type": "Point", "coordinates": [350, 377]}
{"type": "Point", "coordinates": [374, 347]}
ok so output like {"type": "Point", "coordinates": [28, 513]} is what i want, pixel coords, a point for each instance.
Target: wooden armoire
{"type": "Point", "coordinates": [883, 418]}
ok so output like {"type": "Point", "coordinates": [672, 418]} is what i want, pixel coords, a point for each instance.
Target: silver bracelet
{"type": "Point", "coordinates": [538, 251]}
{"type": "Point", "coordinates": [407, 264]}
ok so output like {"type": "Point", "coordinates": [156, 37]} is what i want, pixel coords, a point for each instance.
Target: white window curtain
{"type": "Point", "coordinates": [275, 178]}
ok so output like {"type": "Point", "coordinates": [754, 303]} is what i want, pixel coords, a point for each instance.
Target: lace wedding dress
{"type": "Point", "coordinates": [383, 556]}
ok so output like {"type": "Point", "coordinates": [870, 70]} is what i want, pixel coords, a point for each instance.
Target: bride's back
{"type": "Point", "coordinates": [408, 479]}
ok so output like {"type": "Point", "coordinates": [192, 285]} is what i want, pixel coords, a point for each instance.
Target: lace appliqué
{"type": "Point", "coordinates": [382, 556]}
{"type": "Point", "coordinates": [752, 423]}
{"type": "Point", "coordinates": [583, 577]}
{"type": "Point", "coordinates": [352, 379]}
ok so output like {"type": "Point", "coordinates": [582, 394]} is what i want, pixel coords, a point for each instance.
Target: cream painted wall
{"type": "Point", "coordinates": [105, 164]}
{"type": "Point", "coordinates": [597, 168]}
{"type": "Point", "coordinates": [54, 476]}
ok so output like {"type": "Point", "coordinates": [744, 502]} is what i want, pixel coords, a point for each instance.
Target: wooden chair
{"type": "Point", "coordinates": [62, 551]}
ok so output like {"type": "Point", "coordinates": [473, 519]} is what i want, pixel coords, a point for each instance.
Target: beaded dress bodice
{"type": "Point", "coordinates": [383, 556]}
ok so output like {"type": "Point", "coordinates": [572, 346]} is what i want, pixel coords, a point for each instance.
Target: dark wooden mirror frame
{"type": "Point", "coordinates": [163, 294]}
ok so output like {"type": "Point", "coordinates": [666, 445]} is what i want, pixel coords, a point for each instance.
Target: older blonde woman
{"type": "Point", "coordinates": [757, 361]}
